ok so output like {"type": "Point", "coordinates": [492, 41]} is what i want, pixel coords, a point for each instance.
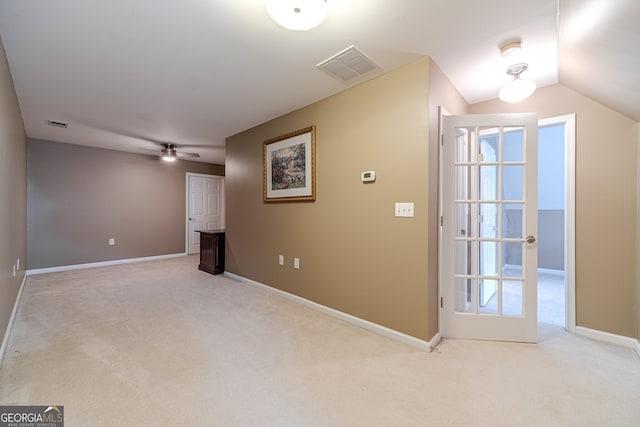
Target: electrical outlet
{"type": "Point", "coordinates": [14, 271]}
{"type": "Point", "coordinates": [281, 259]}
{"type": "Point", "coordinates": [296, 263]}
{"type": "Point", "coordinates": [112, 241]}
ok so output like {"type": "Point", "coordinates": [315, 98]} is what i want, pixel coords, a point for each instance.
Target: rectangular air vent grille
{"type": "Point", "coordinates": [57, 124]}
{"type": "Point", "coordinates": [349, 64]}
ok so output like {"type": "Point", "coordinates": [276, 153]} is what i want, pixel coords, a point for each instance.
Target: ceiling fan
{"type": "Point", "coordinates": [169, 153]}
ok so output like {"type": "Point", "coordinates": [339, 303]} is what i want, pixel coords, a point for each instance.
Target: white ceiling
{"type": "Point", "coordinates": [193, 72]}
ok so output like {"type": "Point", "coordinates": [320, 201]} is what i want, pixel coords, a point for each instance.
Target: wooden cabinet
{"type": "Point", "coordinates": [212, 251]}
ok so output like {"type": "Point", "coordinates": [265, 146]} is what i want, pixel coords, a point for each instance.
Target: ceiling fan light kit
{"type": "Point", "coordinates": [297, 15]}
{"type": "Point", "coordinates": [169, 153]}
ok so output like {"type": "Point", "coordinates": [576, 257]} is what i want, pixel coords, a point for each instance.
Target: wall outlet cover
{"type": "Point", "coordinates": [404, 209]}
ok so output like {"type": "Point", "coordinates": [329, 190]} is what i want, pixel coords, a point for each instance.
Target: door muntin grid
{"type": "Point", "coordinates": [489, 219]}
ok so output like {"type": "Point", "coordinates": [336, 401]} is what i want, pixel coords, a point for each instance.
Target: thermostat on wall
{"type": "Point", "coordinates": [368, 176]}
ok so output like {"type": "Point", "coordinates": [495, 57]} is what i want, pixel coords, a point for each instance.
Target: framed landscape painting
{"type": "Point", "coordinates": [289, 166]}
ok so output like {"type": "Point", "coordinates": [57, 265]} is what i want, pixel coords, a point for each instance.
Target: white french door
{"type": "Point", "coordinates": [489, 225]}
{"type": "Point", "coordinates": [205, 207]}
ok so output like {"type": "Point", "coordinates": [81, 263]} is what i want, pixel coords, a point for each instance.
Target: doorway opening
{"type": "Point", "coordinates": [556, 304]}
{"type": "Point", "coordinates": [556, 221]}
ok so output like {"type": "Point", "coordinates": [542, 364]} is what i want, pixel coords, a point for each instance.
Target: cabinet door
{"type": "Point", "coordinates": [207, 252]}
{"type": "Point", "coordinates": [219, 254]}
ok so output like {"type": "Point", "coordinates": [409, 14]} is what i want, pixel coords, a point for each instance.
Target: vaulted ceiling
{"type": "Point", "coordinates": [127, 75]}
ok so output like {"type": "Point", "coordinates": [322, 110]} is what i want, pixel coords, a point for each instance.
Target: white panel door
{"type": "Point", "coordinates": [205, 207]}
{"type": "Point", "coordinates": [489, 225]}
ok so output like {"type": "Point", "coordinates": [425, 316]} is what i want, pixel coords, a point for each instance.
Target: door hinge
{"type": "Point", "coordinates": [442, 139]}
{"type": "Point", "coordinates": [441, 302]}
{"type": "Point", "coordinates": [441, 221]}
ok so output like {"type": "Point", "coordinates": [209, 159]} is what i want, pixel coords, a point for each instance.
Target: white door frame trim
{"type": "Point", "coordinates": [441, 113]}
{"type": "Point", "coordinates": [186, 214]}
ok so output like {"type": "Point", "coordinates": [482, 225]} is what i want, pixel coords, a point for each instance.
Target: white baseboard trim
{"type": "Point", "coordinates": [101, 264]}
{"type": "Point", "coordinates": [559, 273]}
{"type": "Point", "coordinates": [365, 324]}
{"type": "Point", "coordinates": [511, 267]}
{"type": "Point", "coordinates": [5, 340]}
{"type": "Point", "coordinates": [609, 338]}
{"type": "Point", "coordinates": [433, 342]}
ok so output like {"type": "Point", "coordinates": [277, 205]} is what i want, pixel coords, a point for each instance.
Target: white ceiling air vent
{"type": "Point", "coordinates": [57, 123]}
{"type": "Point", "coordinates": [349, 65]}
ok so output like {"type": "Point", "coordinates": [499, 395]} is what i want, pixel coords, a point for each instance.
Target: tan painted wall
{"type": "Point", "coordinates": [13, 190]}
{"type": "Point", "coordinates": [441, 93]}
{"type": "Point", "coordinates": [606, 162]}
{"type": "Point", "coordinates": [355, 255]}
{"type": "Point", "coordinates": [79, 197]}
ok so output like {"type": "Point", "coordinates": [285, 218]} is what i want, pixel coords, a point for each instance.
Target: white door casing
{"type": "Point", "coordinates": [489, 226]}
{"type": "Point", "coordinates": [205, 207]}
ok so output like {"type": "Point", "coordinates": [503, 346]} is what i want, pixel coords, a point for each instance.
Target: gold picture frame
{"type": "Point", "coordinates": [289, 167]}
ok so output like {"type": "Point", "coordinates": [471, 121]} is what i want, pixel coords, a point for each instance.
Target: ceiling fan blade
{"type": "Point", "coordinates": [159, 152]}
{"type": "Point", "coordinates": [181, 154]}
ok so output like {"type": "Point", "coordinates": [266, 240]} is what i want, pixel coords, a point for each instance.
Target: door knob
{"type": "Point", "coordinates": [191, 219]}
{"type": "Point", "coordinates": [530, 239]}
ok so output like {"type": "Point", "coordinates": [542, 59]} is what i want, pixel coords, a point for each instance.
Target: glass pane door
{"type": "Point", "coordinates": [488, 198]}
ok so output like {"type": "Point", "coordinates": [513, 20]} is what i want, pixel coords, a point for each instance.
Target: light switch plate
{"type": "Point", "coordinates": [281, 259]}
{"type": "Point", "coordinates": [404, 209]}
{"type": "Point", "coordinates": [296, 263]}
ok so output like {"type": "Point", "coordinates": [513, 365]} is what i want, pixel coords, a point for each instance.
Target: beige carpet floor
{"type": "Point", "coordinates": [163, 344]}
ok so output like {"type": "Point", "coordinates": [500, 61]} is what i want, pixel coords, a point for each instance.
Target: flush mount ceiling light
{"type": "Point", "coordinates": [517, 89]}
{"type": "Point", "coordinates": [510, 49]}
{"type": "Point", "coordinates": [297, 15]}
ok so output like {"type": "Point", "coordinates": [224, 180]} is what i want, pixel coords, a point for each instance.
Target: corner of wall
{"type": "Point", "coordinates": [13, 189]}
{"type": "Point", "coordinates": [638, 233]}
{"type": "Point", "coordinates": [441, 93]}
{"type": "Point", "coordinates": [7, 332]}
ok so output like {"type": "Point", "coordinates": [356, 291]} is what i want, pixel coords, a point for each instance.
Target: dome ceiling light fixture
{"type": "Point", "coordinates": [511, 48]}
{"type": "Point", "coordinates": [517, 89]}
{"type": "Point", "coordinates": [297, 15]}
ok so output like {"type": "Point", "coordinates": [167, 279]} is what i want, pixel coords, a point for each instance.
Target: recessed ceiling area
{"type": "Point", "coordinates": [132, 75]}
